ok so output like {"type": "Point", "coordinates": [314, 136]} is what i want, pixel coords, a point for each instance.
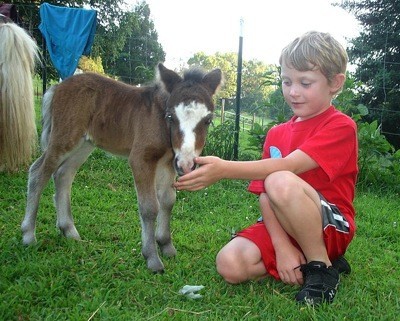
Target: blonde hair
{"type": "Point", "coordinates": [316, 51]}
{"type": "Point", "coordinates": [18, 135]}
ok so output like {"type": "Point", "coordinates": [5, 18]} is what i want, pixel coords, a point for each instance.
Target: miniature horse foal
{"type": "Point", "coordinates": [160, 128]}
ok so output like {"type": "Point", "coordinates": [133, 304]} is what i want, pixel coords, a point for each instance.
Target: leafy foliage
{"type": "Point", "coordinates": [91, 64]}
{"type": "Point", "coordinates": [276, 106]}
{"type": "Point", "coordinates": [135, 62]}
{"type": "Point", "coordinates": [253, 92]}
{"type": "Point", "coordinates": [257, 136]}
{"type": "Point", "coordinates": [379, 164]}
{"type": "Point", "coordinates": [220, 140]}
{"type": "Point", "coordinates": [258, 133]}
{"type": "Point", "coordinates": [376, 53]}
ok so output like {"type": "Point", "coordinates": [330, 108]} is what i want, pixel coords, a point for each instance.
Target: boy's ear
{"type": "Point", "coordinates": [338, 82]}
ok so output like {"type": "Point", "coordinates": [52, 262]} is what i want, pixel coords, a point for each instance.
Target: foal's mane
{"type": "Point", "coordinates": [190, 77]}
{"type": "Point", "coordinates": [194, 75]}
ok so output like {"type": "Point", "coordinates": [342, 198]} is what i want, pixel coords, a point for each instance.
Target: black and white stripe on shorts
{"type": "Point", "coordinates": [331, 216]}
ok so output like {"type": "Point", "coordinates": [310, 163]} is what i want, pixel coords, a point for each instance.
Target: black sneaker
{"type": "Point", "coordinates": [342, 265]}
{"type": "Point", "coordinates": [320, 283]}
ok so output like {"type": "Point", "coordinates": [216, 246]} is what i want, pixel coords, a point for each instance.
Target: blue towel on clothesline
{"type": "Point", "coordinates": [69, 34]}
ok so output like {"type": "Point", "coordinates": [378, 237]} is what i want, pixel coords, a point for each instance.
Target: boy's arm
{"type": "Point", "coordinates": [213, 169]}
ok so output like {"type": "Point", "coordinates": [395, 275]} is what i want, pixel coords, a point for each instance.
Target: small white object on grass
{"type": "Point", "coordinates": [190, 291]}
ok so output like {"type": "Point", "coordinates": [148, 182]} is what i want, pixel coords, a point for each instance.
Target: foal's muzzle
{"type": "Point", "coordinates": [187, 168]}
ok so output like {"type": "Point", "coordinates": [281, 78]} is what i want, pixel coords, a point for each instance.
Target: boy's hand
{"type": "Point", "coordinates": [209, 172]}
{"type": "Point", "coordinates": [288, 261]}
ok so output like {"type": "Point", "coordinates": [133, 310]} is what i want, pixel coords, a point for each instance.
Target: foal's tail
{"type": "Point", "coordinates": [46, 117]}
{"type": "Point", "coordinates": [18, 135]}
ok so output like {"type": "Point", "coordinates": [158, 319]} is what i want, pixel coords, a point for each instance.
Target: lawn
{"type": "Point", "coordinates": [104, 277]}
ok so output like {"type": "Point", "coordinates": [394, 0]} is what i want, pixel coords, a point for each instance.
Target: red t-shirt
{"type": "Point", "coordinates": [330, 139]}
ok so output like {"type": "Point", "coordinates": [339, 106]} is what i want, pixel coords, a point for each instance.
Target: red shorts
{"type": "Point", "coordinates": [337, 237]}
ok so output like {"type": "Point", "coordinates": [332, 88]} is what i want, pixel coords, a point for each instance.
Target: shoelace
{"type": "Point", "coordinates": [310, 277]}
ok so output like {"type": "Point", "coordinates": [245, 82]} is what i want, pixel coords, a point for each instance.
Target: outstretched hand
{"type": "Point", "coordinates": [209, 172]}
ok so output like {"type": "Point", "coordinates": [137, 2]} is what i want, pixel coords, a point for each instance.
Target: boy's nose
{"type": "Point", "coordinates": [293, 91]}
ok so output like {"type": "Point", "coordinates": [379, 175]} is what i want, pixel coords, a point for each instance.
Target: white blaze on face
{"type": "Point", "coordinates": [189, 116]}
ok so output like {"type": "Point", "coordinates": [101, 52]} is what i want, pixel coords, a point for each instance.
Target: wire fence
{"type": "Point", "coordinates": [29, 13]}
{"type": "Point", "coordinates": [387, 60]}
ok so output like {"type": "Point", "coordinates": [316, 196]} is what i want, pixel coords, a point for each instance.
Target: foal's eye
{"type": "Point", "coordinates": [169, 117]}
{"type": "Point", "coordinates": [208, 120]}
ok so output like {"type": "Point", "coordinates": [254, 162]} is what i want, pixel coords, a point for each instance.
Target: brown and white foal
{"type": "Point", "coordinates": [160, 128]}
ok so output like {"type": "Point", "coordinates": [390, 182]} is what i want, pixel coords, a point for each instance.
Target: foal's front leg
{"type": "Point", "coordinates": [144, 174]}
{"type": "Point", "coordinates": [166, 195]}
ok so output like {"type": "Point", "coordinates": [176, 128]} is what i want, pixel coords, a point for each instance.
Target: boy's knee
{"type": "Point", "coordinates": [229, 267]}
{"type": "Point", "coordinates": [280, 185]}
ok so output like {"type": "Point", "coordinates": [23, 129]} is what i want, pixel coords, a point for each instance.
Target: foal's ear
{"type": "Point", "coordinates": [213, 80]}
{"type": "Point", "coordinates": [168, 78]}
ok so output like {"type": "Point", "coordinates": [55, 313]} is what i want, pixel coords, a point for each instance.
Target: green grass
{"type": "Point", "coordinates": [104, 277]}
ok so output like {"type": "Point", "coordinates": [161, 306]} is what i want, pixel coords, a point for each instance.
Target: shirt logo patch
{"type": "Point", "coordinates": [275, 152]}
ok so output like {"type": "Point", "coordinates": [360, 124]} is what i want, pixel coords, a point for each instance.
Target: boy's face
{"type": "Point", "coordinates": [308, 93]}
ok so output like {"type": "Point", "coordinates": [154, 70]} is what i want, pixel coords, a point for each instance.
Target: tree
{"type": "Point", "coordinates": [113, 28]}
{"type": "Point", "coordinates": [277, 108]}
{"type": "Point", "coordinates": [376, 55]}
{"type": "Point", "coordinates": [226, 62]}
{"type": "Point", "coordinates": [255, 91]}
{"type": "Point", "coordinates": [254, 94]}
{"type": "Point", "coordinates": [135, 63]}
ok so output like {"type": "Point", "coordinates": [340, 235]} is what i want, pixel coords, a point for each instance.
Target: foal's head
{"type": "Point", "coordinates": [189, 112]}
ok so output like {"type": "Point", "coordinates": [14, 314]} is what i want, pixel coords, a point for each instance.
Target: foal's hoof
{"type": "Point", "coordinates": [28, 236]}
{"type": "Point", "coordinates": [155, 266]}
{"type": "Point", "coordinates": [28, 239]}
{"type": "Point", "coordinates": [159, 272]}
{"type": "Point", "coordinates": [168, 250]}
{"type": "Point", "coordinates": [70, 233]}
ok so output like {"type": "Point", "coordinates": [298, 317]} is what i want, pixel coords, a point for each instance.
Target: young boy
{"type": "Point", "coordinates": [306, 180]}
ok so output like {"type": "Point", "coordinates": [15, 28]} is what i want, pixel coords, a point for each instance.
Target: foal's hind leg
{"type": "Point", "coordinates": [63, 178]}
{"type": "Point", "coordinates": [166, 195]}
{"type": "Point", "coordinates": [39, 174]}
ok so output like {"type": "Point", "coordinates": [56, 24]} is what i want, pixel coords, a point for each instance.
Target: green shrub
{"type": "Point", "coordinates": [220, 140]}
{"type": "Point", "coordinates": [379, 164]}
